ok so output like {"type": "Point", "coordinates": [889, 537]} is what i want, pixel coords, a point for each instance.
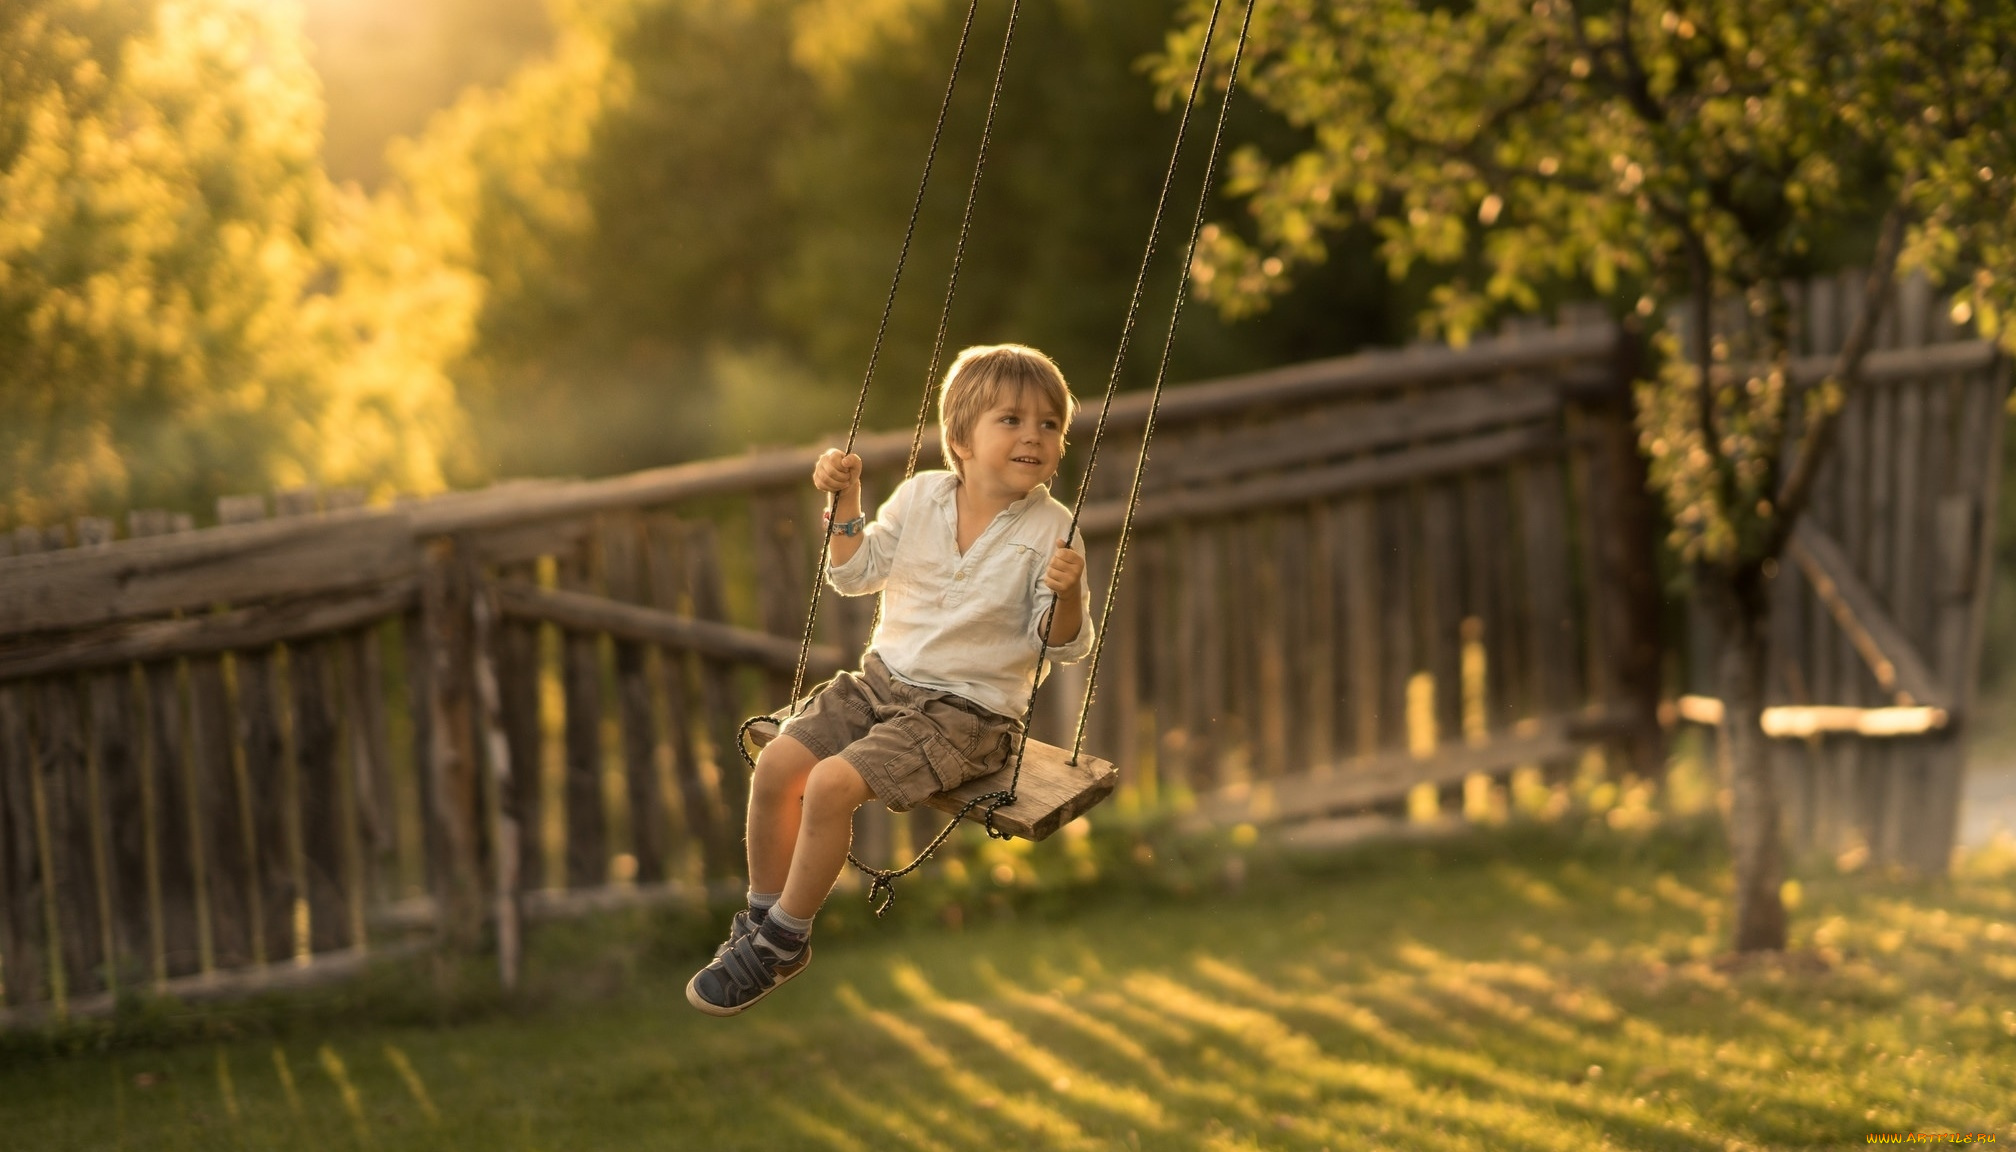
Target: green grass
{"type": "Point", "coordinates": [1550, 987]}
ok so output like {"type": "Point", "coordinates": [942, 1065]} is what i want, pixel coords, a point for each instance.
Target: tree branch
{"type": "Point", "coordinates": [1703, 276]}
{"type": "Point", "coordinates": [1637, 87]}
{"type": "Point", "coordinates": [1821, 421]}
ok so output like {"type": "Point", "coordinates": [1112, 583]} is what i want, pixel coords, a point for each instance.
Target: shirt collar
{"type": "Point", "coordinates": [1036, 495]}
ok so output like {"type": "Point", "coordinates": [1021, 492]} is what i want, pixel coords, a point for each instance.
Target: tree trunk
{"type": "Point", "coordinates": [1739, 604]}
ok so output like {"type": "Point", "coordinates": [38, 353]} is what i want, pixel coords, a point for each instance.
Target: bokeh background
{"type": "Point", "coordinates": [408, 245]}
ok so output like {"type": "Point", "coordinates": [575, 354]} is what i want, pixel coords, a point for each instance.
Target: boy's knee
{"type": "Point", "coordinates": [834, 783]}
{"type": "Point", "coordinates": [782, 761]}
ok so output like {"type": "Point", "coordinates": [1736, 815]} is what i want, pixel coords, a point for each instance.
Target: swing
{"type": "Point", "coordinates": [1054, 789]}
{"type": "Point", "coordinates": [1044, 787]}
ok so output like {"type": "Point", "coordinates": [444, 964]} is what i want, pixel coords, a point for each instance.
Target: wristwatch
{"type": "Point", "coordinates": [852, 527]}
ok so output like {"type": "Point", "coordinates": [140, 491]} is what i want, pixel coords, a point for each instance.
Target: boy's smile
{"type": "Point", "coordinates": [1015, 446]}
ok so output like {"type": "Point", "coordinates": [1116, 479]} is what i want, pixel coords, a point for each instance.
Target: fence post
{"type": "Point", "coordinates": [451, 754]}
{"type": "Point", "coordinates": [1626, 608]}
{"type": "Point", "coordinates": [500, 823]}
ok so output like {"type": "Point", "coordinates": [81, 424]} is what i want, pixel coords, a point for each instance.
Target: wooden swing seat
{"type": "Point", "coordinates": [1052, 792]}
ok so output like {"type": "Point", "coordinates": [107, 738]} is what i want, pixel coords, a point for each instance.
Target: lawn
{"type": "Point", "coordinates": [1537, 987]}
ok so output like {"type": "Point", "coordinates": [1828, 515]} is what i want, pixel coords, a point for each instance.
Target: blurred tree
{"type": "Point", "coordinates": [1079, 149]}
{"type": "Point", "coordinates": [172, 322]}
{"type": "Point", "coordinates": [1669, 155]}
{"type": "Point", "coordinates": [496, 197]}
{"type": "Point", "coordinates": [615, 203]}
{"type": "Point", "coordinates": [743, 176]}
{"type": "Point", "coordinates": [389, 65]}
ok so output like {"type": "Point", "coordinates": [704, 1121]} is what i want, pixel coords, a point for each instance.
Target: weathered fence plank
{"type": "Point", "coordinates": [1398, 560]}
{"type": "Point", "coordinates": [581, 686]}
{"type": "Point", "coordinates": [450, 777]}
{"type": "Point", "coordinates": [1550, 620]}
{"type": "Point", "coordinates": [1322, 702]}
{"type": "Point", "coordinates": [624, 580]}
{"type": "Point", "coordinates": [1205, 641]}
{"type": "Point", "coordinates": [517, 661]}
{"type": "Point", "coordinates": [210, 634]}
{"type": "Point", "coordinates": [1358, 534]}
{"type": "Point", "coordinates": [370, 740]}
{"type": "Point", "coordinates": [117, 769]}
{"type": "Point", "coordinates": [717, 676]}
{"type": "Point", "coordinates": [683, 718]}
{"type": "Point", "coordinates": [725, 643]}
{"type": "Point", "coordinates": [224, 856]}
{"type": "Point", "coordinates": [1442, 603]}
{"type": "Point", "coordinates": [26, 900]}
{"type": "Point", "coordinates": [275, 885]}
{"type": "Point", "coordinates": [63, 771]}
{"type": "Point", "coordinates": [191, 571]}
{"type": "Point", "coordinates": [782, 561]}
{"type": "Point", "coordinates": [1485, 577]}
{"type": "Point", "coordinates": [1367, 472]}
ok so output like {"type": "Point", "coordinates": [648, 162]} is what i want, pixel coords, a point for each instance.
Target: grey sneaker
{"type": "Point", "coordinates": [742, 974]}
{"type": "Point", "coordinates": [744, 924]}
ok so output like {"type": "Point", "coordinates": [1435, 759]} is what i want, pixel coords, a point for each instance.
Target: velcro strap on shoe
{"type": "Point", "coordinates": [748, 967]}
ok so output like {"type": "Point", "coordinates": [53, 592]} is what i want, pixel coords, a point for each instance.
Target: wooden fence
{"type": "Point", "coordinates": [1879, 609]}
{"type": "Point", "coordinates": [240, 755]}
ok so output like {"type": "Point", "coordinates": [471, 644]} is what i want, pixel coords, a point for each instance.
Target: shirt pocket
{"type": "Point", "coordinates": [1015, 584]}
{"type": "Point", "coordinates": [911, 570]}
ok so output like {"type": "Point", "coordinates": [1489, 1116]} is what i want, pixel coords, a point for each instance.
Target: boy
{"type": "Point", "coordinates": [970, 563]}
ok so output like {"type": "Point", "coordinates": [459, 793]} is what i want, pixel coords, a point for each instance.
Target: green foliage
{"type": "Point", "coordinates": [666, 236]}
{"type": "Point", "coordinates": [175, 318]}
{"type": "Point", "coordinates": [746, 175]}
{"type": "Point", "coordinates": [1660, 154]}
{"type": "Point", "coordinates": [604, 329]}
{"type": "Point", "coordinates": [1079, 149]}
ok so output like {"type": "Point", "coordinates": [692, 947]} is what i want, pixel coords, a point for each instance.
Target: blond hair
{"type": "Point", "coordinates": [980, 377]}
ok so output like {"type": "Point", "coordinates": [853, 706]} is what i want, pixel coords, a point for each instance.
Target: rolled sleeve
{"type": "Point", "coordinates": [867, 571]}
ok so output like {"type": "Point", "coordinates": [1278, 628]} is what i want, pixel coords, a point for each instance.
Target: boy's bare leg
{"type": "Point", "coordinates": [832, 792]}
{"type": "Point", "coordinates": [764, 949]}
{"type": "Point", "coordinates": [775, 790]}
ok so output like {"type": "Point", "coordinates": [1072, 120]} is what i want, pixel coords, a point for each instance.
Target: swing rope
{"type": "Point", "coordinates": [882, 880]}
{"type": "Point", "coordinates": [1003, 798]}
{"type": "Point", "coordinates": [889, 306]}
{"type": "Point", "coordinates": [1161, 375]}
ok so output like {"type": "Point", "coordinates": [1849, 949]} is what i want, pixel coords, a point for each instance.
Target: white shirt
{"type": "Point", "coordinates": [967, 624]}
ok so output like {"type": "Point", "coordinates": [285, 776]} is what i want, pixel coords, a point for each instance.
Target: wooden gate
{"type": "Point", "coordinates": [249, 754]}
{"type": "Point", "coordinates": [1878, 611]}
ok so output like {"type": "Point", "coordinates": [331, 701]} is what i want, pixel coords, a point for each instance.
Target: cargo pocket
{"type": "Point", "coordinates": [948, 765]}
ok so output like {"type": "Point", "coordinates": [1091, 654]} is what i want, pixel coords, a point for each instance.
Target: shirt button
{"type": "Point", "coordinates": [961, 575]}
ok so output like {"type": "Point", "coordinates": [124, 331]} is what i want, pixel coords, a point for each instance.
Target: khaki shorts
{"type": "Point", "coordinates": [907, 742]}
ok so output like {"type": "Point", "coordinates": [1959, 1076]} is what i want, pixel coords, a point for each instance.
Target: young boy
{"type": "Point", "coordinates": [969, 563]}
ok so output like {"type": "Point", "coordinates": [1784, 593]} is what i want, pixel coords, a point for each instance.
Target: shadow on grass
{"type": "Point", "coordinates": [1532, 987]}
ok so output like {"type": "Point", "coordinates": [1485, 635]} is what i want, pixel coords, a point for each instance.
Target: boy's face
{"type": "Point", "coordinates": [1015, 444]}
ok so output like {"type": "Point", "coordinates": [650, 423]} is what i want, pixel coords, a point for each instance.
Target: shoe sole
{"type": "Point", "coordinates": [694, 998]}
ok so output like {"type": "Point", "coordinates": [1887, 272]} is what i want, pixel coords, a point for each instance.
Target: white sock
{"type": "Point", "coordinates": [784, 933]}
